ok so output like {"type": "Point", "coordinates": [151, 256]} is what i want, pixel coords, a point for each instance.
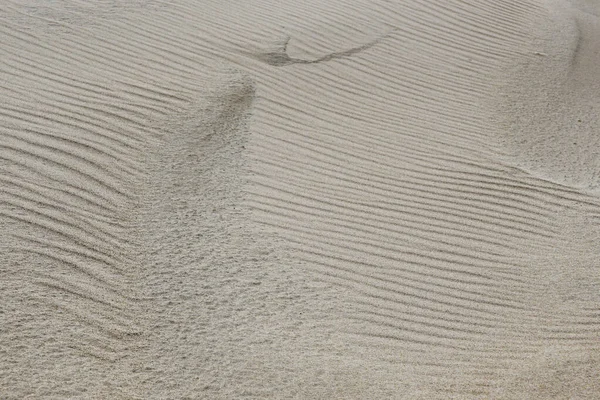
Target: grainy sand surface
{"type": "Point", "coordinates": [260, 199]}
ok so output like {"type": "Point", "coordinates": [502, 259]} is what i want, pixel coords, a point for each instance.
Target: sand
{"type": "Point", "coordinates": [345, 199]}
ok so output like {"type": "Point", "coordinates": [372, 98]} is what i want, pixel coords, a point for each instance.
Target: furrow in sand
{"type": "Point", "coordinates": [82, 292]}
{"type": "Point", "coordinates": [439, 193]}
{"type": "Point", "coordinates": [19, 205]}
{"type": "Point", "coordinates": [541, 196]}
{"type": "Point", "coordinates": [408, 258]}
{"type": "Point", "coordinates": [58, 248]}
{"type": "Point", "coordinates": [75, 120]}
{"type": "Point", "coordinates": [380, 201]}
{"type": "Point", "coordinates": [424, 282]}
{"type": "Point", "coordinates": [62, 186]}
{"type": "Point", "coordinates": [97, 273]}
{"type": "Point", "coordinates": [406, 295]}
{"type": "Point", "coordinates": [38, 72]}
{"type": "Point", "coordinates": [446, 263]}
{"type": "Point", "coordinates": [67, 231]}
{"type": "Point", "coordinates": [107, 322]}
{"type": "Point", "coordinates": [428, 316]}
{"type": "Point", "coordinates": [93, 166]}
{"type": "Point", "coordinates": [76, 173]}
{"type": "Point", "coordinates": [370, 212]}
{"type": "Point", "coordinates": [40, 202]}
{"type": "Point", "coordinates": [99, 151]}
{"type": "Point", "coordinates": [326, 112]}
{"type": "Point", "coordinates": [443, 164]}
{"type": "Point", "coordinates": [38, 120]}
{"type": "Point", "coordinates": [445, 211]}
{"type": "Point", "coordinates": [77, 52]}
{"type": "Point", "coordinates": [399, 229]}
{"type": "Point", "coordinates": [414, 143]}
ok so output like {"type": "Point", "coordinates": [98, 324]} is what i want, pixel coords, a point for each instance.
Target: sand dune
{"type": "Point", "coordinates": [339, 200]}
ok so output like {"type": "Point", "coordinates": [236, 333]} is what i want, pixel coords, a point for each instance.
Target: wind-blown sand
{"type": "Point", "coordinates": [341, 199]}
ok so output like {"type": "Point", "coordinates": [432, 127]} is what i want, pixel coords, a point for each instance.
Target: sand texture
{"type": "Point", "coordinates": [283, 199]}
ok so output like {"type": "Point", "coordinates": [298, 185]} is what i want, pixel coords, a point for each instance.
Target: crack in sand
{"type": "Point", "coordinates": [281, 58]}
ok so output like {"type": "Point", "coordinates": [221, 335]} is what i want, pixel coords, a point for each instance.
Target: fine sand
{"type": "Point", "coordinates": [283, 199]}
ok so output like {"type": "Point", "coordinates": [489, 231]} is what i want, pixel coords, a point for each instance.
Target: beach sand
{"type": "Point", "coordinates": [351, 199]}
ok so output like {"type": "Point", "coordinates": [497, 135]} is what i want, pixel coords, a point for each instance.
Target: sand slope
{"type": "Point", "coordinates": [344, 199]}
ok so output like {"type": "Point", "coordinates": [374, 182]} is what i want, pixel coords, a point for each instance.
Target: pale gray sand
{"type": "Point", "coordinates": [311, 200]}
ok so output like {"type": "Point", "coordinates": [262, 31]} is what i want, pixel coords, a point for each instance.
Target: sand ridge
{"type": "Point", "coordinates": [346, 199]}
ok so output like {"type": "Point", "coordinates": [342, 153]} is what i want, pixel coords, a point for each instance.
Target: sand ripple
{"type": "Point", "coordinates": [346, 199]}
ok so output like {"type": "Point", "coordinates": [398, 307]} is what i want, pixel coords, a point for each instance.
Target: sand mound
{"type": "Point", "coordinates": [312, 200]}
{"type": "Point", "coordinates": [551, 99]}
